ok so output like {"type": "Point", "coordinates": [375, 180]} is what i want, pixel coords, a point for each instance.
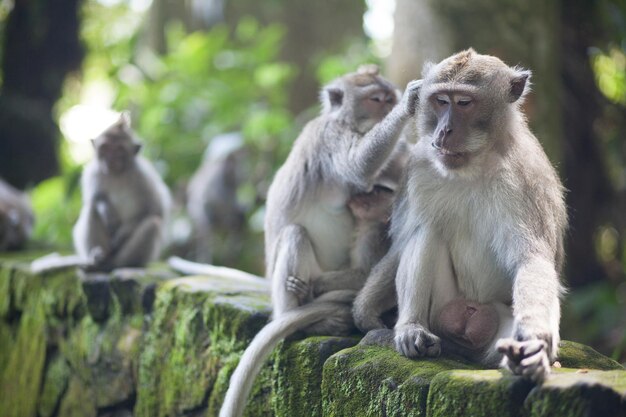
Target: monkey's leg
{"type": "Point", "coordinates": [536, 312]}
{"type": "Point", "coordinates": [424, 270]}
{"type": "Point", "coordinates": [377, 295]}
{"type": "Point", "coordinates": [294, 257]}
{"type": "Point", "coordinates": [141, 246]}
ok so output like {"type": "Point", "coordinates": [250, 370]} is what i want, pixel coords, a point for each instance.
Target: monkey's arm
{"type": "Point", "coordinates": [373, 150]}
{"type": "Point", "coordinates": [377, 295]}
{"type": "Point", "coordinates": [107, 213]}
{"type": "Point", "coordinates": [536, 313]}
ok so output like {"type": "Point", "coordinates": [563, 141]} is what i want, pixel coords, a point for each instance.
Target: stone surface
{"type": "Point", "coordinates": [143, 343]}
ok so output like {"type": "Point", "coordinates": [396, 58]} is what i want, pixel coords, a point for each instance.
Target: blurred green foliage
{"type": "Point", "coordinates": [208, 83]}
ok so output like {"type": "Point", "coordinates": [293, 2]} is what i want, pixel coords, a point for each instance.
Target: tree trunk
{"type": "Point", "coordinates": [313, 28]}
{"type": "Point", "coordinates": [552, 39]}
{"type": "Point", "coordinates": [41, 47]}
{"type": "Point", "coordinates": [589, 190]}
{"type": "Point", "coordinates": [519, 32]}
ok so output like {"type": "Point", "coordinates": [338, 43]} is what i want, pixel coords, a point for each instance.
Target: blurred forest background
{"type": "Point", "coordinates": [195, 69]}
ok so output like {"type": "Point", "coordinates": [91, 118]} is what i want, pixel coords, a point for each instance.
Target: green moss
{"type": "Point", "coordinates": [570, 393]}
{"type": "Point", "coordinates": [377, 381]}
{"type": "Point", "coordinates": [477, 393]}
{"type": "Point", "coordinates": [576, 355]}
{"type": "Point", "coordinates": [54, 386]}
{"type": "Point", "coordinates": [7, 341]}
{"type": "Point", "coordinates": [21, 379]}
{"type": "Point", "coordinates": [5, 292]}
{"type": "Point", "coordinates": [298, 374]}
{"type": "Point", "coordinates": [197, 323]}
{"type": "Point", "coordinates": [78, 401]}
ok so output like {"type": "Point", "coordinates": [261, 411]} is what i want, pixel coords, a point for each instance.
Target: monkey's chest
{"type": "Point", "coordinates": [126, 202]}
{"type": "Point", "coordinates": [477, 265]}
{"type": "Point", "coordinates": [330, 228]}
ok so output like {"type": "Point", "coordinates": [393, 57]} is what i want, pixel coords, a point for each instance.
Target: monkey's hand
{"type": "Point", "coordinates": [528, 358]}
{"type": "Point", "coordinates": [530, 351]}
{"type": "Point", "coordinates": [96, 256]}
{"type": "Point", "coordinates": [299, 288]}
{"type": "Point", "coordinates": [410, 98]}
{"type": "Point", "coordinates": [414, 341]}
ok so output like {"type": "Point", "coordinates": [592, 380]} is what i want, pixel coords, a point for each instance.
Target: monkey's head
{"type": "Point", "coordinates": [466, 103]}
{"type": "Point", "coordinates": [374, 206]}
{"type": "Point", "coordinates": [116, 147]}
{"type": "Point", "coordinates": [360, 99]}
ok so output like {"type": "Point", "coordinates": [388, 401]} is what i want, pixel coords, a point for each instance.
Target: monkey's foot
{"type": "Point", "coordinates": [378, 337]}
{"type": "Point", "coordinates": [414, 341]}
{"type": "Point", "coordinates": [298, 287]}
{"type": "Point", "coordinates": [528, 358]}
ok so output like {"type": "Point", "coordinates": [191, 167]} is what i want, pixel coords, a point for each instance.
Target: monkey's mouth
{"type": "Point", "coordinates": [450, 154]}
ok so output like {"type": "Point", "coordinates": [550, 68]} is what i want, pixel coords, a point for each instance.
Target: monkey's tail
{"type": "Point", "coordinates": [262, 345]}
{"type": "Point", "coordinates": [195, 268]}
{"type": "Point", "coordinates": [55, 261]}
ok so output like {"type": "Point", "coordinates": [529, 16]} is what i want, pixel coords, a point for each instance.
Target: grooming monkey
{"type": "Point", "coordinates": [478, 227]}
{"type": "Point", "coordinates": [309, 229]}
{"type": "Point", "coordinates": [125, 207]}
{"type": "Point", "coordinates": [370, 242]}
{"type": "Point", "coordinates": [16, 217]}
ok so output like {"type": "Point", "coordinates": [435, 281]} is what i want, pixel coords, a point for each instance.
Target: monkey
{"type": "Point", "coordinates": [125, 207]}
{"type": "Point", "coordinates": [371, 212]}
{"type": "Point", "coordinates": [309, 228]}
{"type": "Point", "coordinates": [212, 198]}
{"type": "Point", "coordinates": [16, 217]}
{"type": "Point", "coordinates": [477, 228]}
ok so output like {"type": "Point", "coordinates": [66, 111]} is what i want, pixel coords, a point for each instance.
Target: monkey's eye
{"type": "Point", "coordinates": [442, 100]}
{"type": "Point", "coordinates": [464, 101]}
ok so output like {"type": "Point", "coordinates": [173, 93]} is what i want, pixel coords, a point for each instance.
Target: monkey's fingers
{"type": "Point", "coordinates": [297, 286]}
{"type": "Point", "coordinates": [527, 358]}
{"type": "Point", "coordinates": [511, 348]}
{"type": "Point", "coordinates": [535, 367]}
{"type": "Point", "coordinates": [411, 96]}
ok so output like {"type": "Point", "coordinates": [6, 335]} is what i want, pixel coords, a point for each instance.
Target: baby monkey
{"type": "Point", "coordinates": [125, 206]}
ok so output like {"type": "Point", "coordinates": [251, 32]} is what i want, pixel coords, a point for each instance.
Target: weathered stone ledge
{"type": "Point", "coordinates": [145, 343]}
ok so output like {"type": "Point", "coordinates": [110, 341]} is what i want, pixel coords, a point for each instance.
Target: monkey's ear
{"type": "Point", "coordinates": [136, 148]}
{"type": "Point", "coordinates": [369, 69]}
{"type": "Point", "coordinates": [125, 118]}
{"type": "Point", "coordinates": [332, 98]}
{"type": "Point", "coordinates": [520, 84]}
{"type": "Point", "coordinates": [93, 143]}
{"type": "Point", "coordinates": [427, 68]}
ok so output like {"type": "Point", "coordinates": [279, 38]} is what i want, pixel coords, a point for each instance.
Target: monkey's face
{"type": "Point", "coordinates": [115, 157]}
{"type": "Point", "coordinates": [360, 99]}
{"type": "Point", "coordinates": [456, 128]}
{"type": "Point", "coordinates": [464, 106]}
{"type": "Point", "coordinates": [372, 104]}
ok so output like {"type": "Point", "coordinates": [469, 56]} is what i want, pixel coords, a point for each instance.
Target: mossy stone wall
{"type": "Point", "coordinates": [150, 344]}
